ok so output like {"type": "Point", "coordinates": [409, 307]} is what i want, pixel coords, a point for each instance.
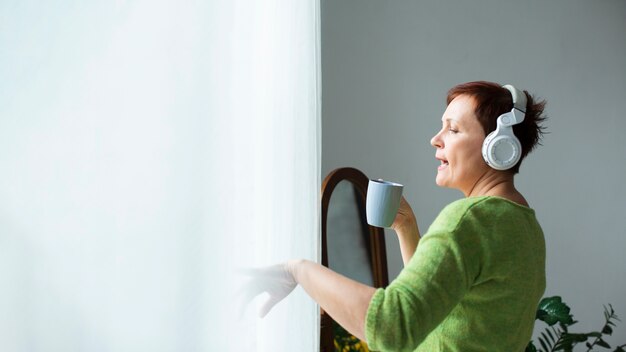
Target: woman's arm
{"type": "Point", "coordinates": [344, 299]}
{"type": "Point", "coordinates": [407, 230]}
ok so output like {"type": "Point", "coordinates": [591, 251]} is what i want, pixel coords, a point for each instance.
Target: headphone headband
{"type": "Point", "coordinates": [519, 97]}
{"type": "Point", "coordinates": [501, 149]}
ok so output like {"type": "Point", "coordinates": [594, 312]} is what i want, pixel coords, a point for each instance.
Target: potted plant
{"type": "Point", "coordinates": [553, 311]}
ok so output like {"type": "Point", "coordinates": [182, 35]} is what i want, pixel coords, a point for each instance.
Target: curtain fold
{"type": "Point", "coordinates": [148, 149]}
{"type": "Point", "coordinates": [268, 89]}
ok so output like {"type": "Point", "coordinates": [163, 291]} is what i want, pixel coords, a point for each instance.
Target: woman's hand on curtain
{"type": "Point", "coordinates": [275, 280]}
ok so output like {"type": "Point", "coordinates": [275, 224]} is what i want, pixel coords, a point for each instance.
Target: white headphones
{"type": "Point", "coordinates": [501, 149]}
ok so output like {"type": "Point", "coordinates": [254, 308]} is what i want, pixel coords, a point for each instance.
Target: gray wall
{"type": "Point", "coordinates": [386, 67]}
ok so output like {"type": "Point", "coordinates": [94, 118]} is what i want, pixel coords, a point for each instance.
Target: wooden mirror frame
{"type": "Point", "coordinates": [378, 253]}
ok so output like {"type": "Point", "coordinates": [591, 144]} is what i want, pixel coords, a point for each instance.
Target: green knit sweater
{"type": "Point", "coordinates": [473, 284]}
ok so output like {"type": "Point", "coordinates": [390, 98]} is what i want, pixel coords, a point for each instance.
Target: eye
{"type": "Point", "coordinates": [452, 130]}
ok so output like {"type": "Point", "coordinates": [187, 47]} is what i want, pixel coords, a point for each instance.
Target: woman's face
{"type": "Point", "coordinates": [459, 145]}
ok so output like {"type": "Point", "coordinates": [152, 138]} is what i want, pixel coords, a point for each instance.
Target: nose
{"type": "Point", "coordinates": [436, 141]}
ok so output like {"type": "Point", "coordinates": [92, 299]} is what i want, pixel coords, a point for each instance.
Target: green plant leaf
{"type": "Point", "coordinates": [568, 340]}
{"type": "Point", "coordinates": [531, 347]}
{"type": "Point", "coordinates": [553, 310]}
{"type": "Point", "coordinates": [551, 336]}
{"type": "Point", "coordinates": [603, 343]}
{"type": "Point", "coordinates": [544, 345]}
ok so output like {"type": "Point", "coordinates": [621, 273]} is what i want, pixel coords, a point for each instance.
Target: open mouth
{"type": "Point", "coordinates": [444, 164]}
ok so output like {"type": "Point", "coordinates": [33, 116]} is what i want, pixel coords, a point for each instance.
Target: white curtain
{"type": "Point", "coordinates": [148, 149]}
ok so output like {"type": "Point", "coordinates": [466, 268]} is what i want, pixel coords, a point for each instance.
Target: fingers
{"type": "Point", "coordinates": [247, 298]}
{"type": "Point", "coordinates": [405, 207]}
{"type": "Point", "coordinates": [274, 280]}
{"type": "Point", "coordinates": [404, 202]}
{"type": "Point", "coordinates": [268, 305]}
{"type": "Point", "coordinates": [245, 295]}
{"type": "Point", "coordinates": [405, 216]}
{"type": "Point", "coordinates": [253, 284]}
{"type": "Point", "coordinates": [265, 308]}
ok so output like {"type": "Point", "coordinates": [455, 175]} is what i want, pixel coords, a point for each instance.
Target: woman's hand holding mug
{"type": "Point", "coordinates": [405, 222]}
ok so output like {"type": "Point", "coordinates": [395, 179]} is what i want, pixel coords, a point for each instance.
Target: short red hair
{"type": "Point", "coordinates": [492, 100]}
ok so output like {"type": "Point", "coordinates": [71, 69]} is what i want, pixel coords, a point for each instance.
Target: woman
{"type": "Point", "coordinates": [474, 281]}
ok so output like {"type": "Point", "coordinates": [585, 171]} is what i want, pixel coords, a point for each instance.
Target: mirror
{"type": "Point", "coordinates": [349, 246]}
{"type": "Point", "coordinates": [347, 235]}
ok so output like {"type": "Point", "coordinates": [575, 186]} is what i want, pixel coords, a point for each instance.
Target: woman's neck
{"type": "Point", "coordinates": [496, 183]}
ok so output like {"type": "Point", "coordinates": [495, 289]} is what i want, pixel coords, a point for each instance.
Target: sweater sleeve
{"type": "Point", "coordinates": [441, 271]}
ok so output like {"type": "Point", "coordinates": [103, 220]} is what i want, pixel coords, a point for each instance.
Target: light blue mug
{"type": "Point", "coordinates": [382, 202]}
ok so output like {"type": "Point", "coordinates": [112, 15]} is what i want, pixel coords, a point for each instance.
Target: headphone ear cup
{"type": "Point", "coordinates": [501, 151]}
{"type": "Point", "coordinates": [485, 149]}
{"type": "Point", "coordinates": [517, 152]}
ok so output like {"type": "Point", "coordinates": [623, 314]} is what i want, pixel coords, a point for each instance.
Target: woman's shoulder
{"type": "Point", "coordinates": [474, 220]}
{"type": "Point", "coordinates": [486, 202]}
{"type": "Point", "coordinates": [453, 214]}
{"type": "Point", "coordinates": [483, 207]}
{"type": "Point", "coordinates": [461, 206]}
